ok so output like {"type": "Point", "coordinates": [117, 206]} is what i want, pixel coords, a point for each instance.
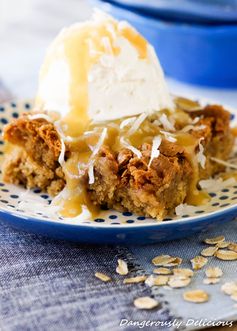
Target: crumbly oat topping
{"type": "Point", "coordinates": [187, 105]}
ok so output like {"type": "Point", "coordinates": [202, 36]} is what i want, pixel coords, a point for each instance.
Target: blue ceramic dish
{"type": "Point", "coordinates": [197, 54]}
{"type": "Point", "coordinates": [110, 227]}
{"type": "Point", "coordinates": [202, 11]}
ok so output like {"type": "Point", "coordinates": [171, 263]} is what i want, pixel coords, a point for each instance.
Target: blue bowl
{"type": "Point", "coordinates": [197, 54]}
{"type": "Point", "coordinates": [201, 11]}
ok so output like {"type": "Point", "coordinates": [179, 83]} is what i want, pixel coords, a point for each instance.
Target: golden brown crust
{"type": "Point", "coordinates": [37, 137]}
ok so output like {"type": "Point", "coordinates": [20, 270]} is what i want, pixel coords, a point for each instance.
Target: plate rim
{"type": "Point", "coordinates": [196, 219]}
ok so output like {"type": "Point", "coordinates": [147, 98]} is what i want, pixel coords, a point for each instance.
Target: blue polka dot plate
{"type": "Point", "coordinates": [110, 227]}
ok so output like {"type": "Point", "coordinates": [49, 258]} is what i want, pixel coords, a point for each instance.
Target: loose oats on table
{"type": "Point", "coordinates": [223, 244]}
{"type": "Point", "coordinates": [163, 260]}
{"type": "Point", "coordinates": [232, 247]}
{"type": "Point", "coordinates": [214, 272]}
{"type": "Point", "coordinates": [229, 288]}
{"type": "Point", "coordinates": [179, 281]}
{"type": "Point", "coordinates": [234, 297]}
{"type": "Point", "coordinates": [183, 272]}
{"type": "Point", "coordinates": [211, 280]}
{"type": "Point", "coordinates": [122, 268]}
{"type": "Point", "coordinates": [214, 241]}
{"type": "Point", "coordinates": [196, 296]}
{"type": "Point", "coordinates": [209, 251]}
{"type": "Point", "coordinates": [145, 303]}
{"type": "Point", "coordinates": [102, 277]}
{"type": "Point", "coordinates": [162, 271]}
{"type": "Point", "coordinates": [198, 262]}
{"type": "Point", "coordinates": [134, 280]}
{"type": "Point", "coordinates": [226, 255]}
{"type": "Point", "coordinates": [153, 280]}
{"type": "Point", "coordinates": [174, 263]}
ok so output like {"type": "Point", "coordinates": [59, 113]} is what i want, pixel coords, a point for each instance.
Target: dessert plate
{"type": "Point", "coordinates": [31, 211]}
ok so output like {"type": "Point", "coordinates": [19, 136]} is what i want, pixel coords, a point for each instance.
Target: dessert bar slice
{"type": "Point", "coordinates": [122, 180]}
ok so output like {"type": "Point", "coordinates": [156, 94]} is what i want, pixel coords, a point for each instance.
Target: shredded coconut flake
{"type": "Point", "coordinates": [71, 175]}
{"type": "Point", "coordinates": [95, 150]}
{"type": "Point", "coordinates": [40, 116]}
{"type": "Point", "coordinates": [224, 163]}
{"type": "Point", "coordinates": [107, 45]}
{"type": "Point", "coordinates": [126, 122]}
{"type": "Point", "coordinates": [200, 155]}
{"type": "Point", "coordinates": [100, 142]}
{"type": "Point", "coordinates": [167, 124]}
{"type": "Point", "coordinates": [61, 159]}
{"type": "Point", "coordinates": [155, 149]}
{"type": "Point", "coordinates": [128, 146]}
{"type": "Point", "coordinates": [214, 185]}
{"type": "Point", "coordinates": [137, 123]}
{"type": "Point", "coordinates": [61, 134]}
{"type": "Point", "coordinates": [194, 128]}
{"type": "Point", "coordinates": [91, 174]}
{"type": "Point", "coordinates": [169, 136]}
{"type": "Point", "coordinates": [195, 120]}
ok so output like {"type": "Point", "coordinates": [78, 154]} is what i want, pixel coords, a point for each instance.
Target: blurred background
{"type": "Point", "coordinates": [196, 41]}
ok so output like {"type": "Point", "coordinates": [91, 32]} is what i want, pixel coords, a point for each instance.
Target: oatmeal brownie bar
{"type": "Point", "coordinates": [32, 156]}
{"type": "Point", "coordinates": [122, 180]}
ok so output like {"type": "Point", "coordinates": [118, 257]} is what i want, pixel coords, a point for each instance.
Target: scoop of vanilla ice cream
{"type": "Point", "coordinates": [108, 79]}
